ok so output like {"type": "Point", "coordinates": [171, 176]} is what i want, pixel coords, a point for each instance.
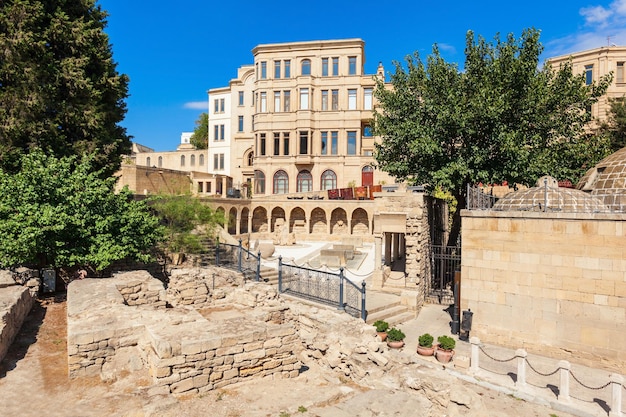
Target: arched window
{"type": "Point", "coordinates": [281, 182]}
{"type": "Point", "coordinates": [148, 161]}
{"type": "Point", "coordinates": [306, 67]}
{"type": "Point", "coordinates": [259, 182]}
{"type": "Point", "coordinates": [201, 159]}
{"type": "Point", "coordinates": [250, 159]}
{"type": "Point", "coordinates": [367, 176]}
{"type": "Point", "coordinates": [192, 161]}
{"type": "Point", "coordinates": [160, 161]}
{"type": "Point", "coordinates": [182, 160]}
{"type": "Point", "coordinates": [329, 180]}
{"type": "Point", "coordinates": [304, 181]}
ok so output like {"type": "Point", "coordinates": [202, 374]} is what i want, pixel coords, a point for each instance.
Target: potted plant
{"type": "Point", "coordinates": [425, 345]}
{"type": "Point", "coordinates": [395, 338]}
{"type": "Point", "coordinates": [381, 329]}
{"type": "Point", "coordinates": [445, 350]}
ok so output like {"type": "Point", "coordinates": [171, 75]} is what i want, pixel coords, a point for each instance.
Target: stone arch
{"type": "Point", "coordinates": [232, 221]}
{"type": "Point", "coordinates": [339, 222]}
{"type": "Point", "coordinates": [360, 222]}
{"type": "Point", "coordinates": [297, 221]}
{"type": "Point", "coordinates": [243, 223]}
{"type": "Point", "coordinates": [277, 213]}
{"type": "Point", "coordinates": [318, 223]}
{"type": "Point", "coordinates": [222, 211]}
{"type": "Point", "coordinates": [259, 220]}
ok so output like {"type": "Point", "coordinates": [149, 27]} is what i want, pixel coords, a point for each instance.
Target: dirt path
{"type": "Point", "coordinates": [34, 382]}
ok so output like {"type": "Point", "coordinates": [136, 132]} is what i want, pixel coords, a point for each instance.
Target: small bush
{"type": "Point", "coordinates": [426, 340]}
{"type": "Point", "coordinates": [446, 342]}
{"type": "Point", "coordinates": [381, 326]}
{"type": "Point", "coordinates": [395, 335]}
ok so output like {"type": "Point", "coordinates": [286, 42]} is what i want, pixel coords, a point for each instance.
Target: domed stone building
{"type": "Point", "coordinates": [607, 181]}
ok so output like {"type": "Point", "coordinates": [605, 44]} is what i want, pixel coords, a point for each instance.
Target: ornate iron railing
{"type": "Point", "coordinates": [323, 287]}
{"type": "Point", "coordinates": [238, 258]}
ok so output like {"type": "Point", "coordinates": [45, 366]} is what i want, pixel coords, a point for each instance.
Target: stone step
{"type": "Point", "coordinates": [374, 310]}
{"type": "Point", "coordinates": [392, 315]}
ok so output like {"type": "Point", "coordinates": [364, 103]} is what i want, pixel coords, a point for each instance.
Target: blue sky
{"type": "Point", "coordinates": [174, 52]}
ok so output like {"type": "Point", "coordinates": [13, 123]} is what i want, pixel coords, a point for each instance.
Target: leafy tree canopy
{"type": "Point", "coordinates": [615, 125]}
{"type": "Point", "coordinates": [62, 213]}
{"type": "Point", "coordinates": [59, 87]}
{"type": "Point", "coordinates": [186, 220]}
{"type": "Point", "coordinates": [200, 137]}
{"type": "Point", "coordinates": [502, 118]}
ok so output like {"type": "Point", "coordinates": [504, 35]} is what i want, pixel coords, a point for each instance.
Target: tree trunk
{"type": "Point", "coordinates": [454, 237]}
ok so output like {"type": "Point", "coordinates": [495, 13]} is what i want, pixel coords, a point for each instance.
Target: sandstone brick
{"type": "Point", "coordinates": [229, 350]}
{"type": "Point", "coordinates": [246, 372]}
{"type": "Point", "coordinates": [160, 372]}
{"type": "Point", "coordinates": [231, 373]}
{"type": "Point", "coordinates": [255, 354]}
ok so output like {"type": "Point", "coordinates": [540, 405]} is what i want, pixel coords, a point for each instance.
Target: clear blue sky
{"type": "Point", "coordinates": [174, 51]}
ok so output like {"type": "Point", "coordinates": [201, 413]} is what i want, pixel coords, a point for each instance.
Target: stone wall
{"type": "Point", "coordinates": [552, 283]}
{"type": "Point", "coordinates": [113, 327]}
{"type": "Point", "coordinates": [200, 287]}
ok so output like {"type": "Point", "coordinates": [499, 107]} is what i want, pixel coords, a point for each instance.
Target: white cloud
{"type": "Point", "coordinates": [596, 15]}
{"type": "Point", "coordinates": [196, 105]}
{"type": "Point", "coordinates": [446, 47]}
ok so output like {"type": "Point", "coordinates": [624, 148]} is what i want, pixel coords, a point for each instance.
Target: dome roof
{"type": "Point", "coordinates": [546, 196]}
{"type": "Point", "coordinates": [607, 181]}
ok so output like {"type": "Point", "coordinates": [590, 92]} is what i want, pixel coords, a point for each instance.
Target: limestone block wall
{"type": "Point", "coordinates": [552, 283]}
{"type": "Point", "coordinates": [199, 287]}
{"type": "Point", "coordinates": [15, 304]}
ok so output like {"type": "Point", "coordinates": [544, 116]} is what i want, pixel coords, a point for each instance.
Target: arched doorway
{"type": "Point", "coordinates": [259, 220]}
{"type": "Point", "coordinates": [318, 221]}
{"type": "Point", "coordinates": [360, 222]}
{"type": "Point", "coordinates": [339, 222]}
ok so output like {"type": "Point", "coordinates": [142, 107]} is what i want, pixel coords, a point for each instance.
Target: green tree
{"type": "Point", "coordinates": [62, 213]}
{"type": "Point", "coordinates": [615, 125]}
{"type": "Point", "coordinates": [187, 220]}
{"type": "Point", "coordinates": [59, 87]}
{"type": "Point", "coordinates": [500, 118]}
{"type": "Point", "coordinates": [200, 137]}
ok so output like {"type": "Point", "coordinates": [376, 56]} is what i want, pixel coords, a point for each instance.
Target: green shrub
{"type": "Point", "coordinates": [446, 342]}
{"type": "Point", "coordinates": [381, 326]}
{"type": "Point", "coordinates": [395, 335]}
{"type": "Point", "coordinates": [426, 340]}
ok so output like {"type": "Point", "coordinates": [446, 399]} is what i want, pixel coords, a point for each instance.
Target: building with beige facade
{"type": "Point", "coordinates": [594, 64]}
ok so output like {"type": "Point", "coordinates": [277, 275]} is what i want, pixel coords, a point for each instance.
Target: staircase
{"type": "Point", "coordinates": [269, 275]}
{"type": "Point", "coordinates": [387, 307]}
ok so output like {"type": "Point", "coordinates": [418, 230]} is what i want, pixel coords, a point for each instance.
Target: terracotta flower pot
{"type": "Point", "coordinates": [425, 351]}
{"type": "Point", "coordinates": [444, 356]}
{"type": "Point", "coordinates": [382, 335]}
{"type": "Point", "coordinates": [395, 344]}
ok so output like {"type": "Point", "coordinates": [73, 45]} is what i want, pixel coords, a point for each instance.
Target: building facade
{"type": "Point", "coordinates": [299, 119]}
{"type": "Point", "coordinates": [594, 64]}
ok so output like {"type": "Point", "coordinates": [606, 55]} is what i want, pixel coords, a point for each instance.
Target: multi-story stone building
{"type": "Point", "coordinates": [594, 64]}
{"type": "Point", "coordinates": [299, 120]}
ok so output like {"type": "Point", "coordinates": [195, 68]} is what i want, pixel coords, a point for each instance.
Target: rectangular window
{"type": "Point", "coordinates": [588, 74]}
{"type": "Point", "coordinates": [221, 132]}
{"type": "Point", "coordinates": [304, 99]}
{"type": "Point", "coordinates": [241, 96]}
{"type": "Point", "coordinates": [304, 142]}
{"type": "Point", "coordinates": [336, 66]}
{"type": "Point", "coordinates": [263, 108]}
{"type": "Point", "coordinates": [335, 100]}
{"type": "Point", "coordinates": [277, 101]}
{"type": "Point", "coordinates": [216, 106]}
{"type": "Point", "coordinates": [263, 70]}
{"type": "Point", "coordinates": [262, 143]}
{"type": "Point", "coordinates": [216, 132]}
{"type": "Point", "coordinates": [334, 139]}
{"type": "Point", "coordinates": [619, 76]}
{"type": "Point", "coordinates": [221, 105]}
{"type": "Point", "coordinates": [276, 143]}
{"type": "Point", "coordinates": [287, 68]}
{"type": "Point", "coordinates": [324, 99]}
{"type": "Point", "coordinates": [367, 98]}
{"type": "Point", "coordinates": [276, 69]}
{"type": "Point", "coordinates": [367, 131]}
{"type": "Point", "coordinates": [352, 65]}
{"type": "Point", "coordinates": [221, 161]}
{"type": "Point", "coordinates": [324, 142]}
{"type": "Point", "coordinates": [287, 100]}
{"type": "Point", "coordinates": [216, 162]}
{"type": "Point", "coordinates": [351, 99]}
{"type": "Point", "coordinates": [240, 124]}
{"type": "Point", "coordinates": [352, 142]}
{"type": "Point", "coordinates": [324, 67]}
{"type": "Point", "coordinates": [286, 143]}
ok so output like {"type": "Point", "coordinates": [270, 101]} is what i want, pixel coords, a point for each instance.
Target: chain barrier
{"type": "Point", "coordinates": [496, 359]}
{"type": "Point", "coordinates": [586, 386]}
{"type": "Point", "coordinates": [541, 373]}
